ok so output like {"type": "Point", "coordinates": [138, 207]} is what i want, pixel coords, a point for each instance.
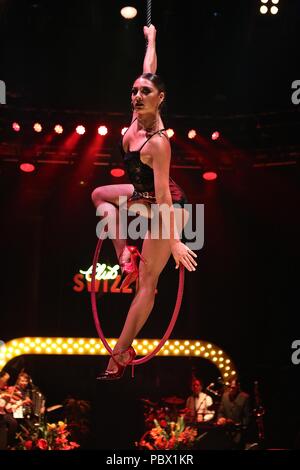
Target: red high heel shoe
{"type": "Point", "coordinates": [117, 374]}
{"type": "Point", "coordinates": [130, 267]}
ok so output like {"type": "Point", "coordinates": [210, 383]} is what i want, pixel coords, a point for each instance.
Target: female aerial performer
{"type": "Point", "coordinates": [147, 153]}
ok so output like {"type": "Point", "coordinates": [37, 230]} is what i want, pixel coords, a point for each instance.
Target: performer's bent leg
{"type": "Point", "coordinates": [108, 198]}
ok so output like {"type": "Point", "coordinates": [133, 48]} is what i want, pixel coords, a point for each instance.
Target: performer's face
{"type": "Point", "coordinates": [145, 97]}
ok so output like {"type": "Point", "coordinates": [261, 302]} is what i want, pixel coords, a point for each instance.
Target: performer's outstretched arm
{"type": "Point", "coordinates": [150, 59]}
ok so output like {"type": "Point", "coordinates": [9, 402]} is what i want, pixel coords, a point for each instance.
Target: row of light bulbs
{"type": "Point", "coordinates": [103, 130]}
{"type": "Point", "coordinates": [130, 12]}
{"type": "Point", "coordinates": [269, 6]}
{"type": "Point", "coordinates": [94, 346]}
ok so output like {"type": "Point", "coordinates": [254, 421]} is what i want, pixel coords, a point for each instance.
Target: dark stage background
{"type": "Point", "coordinates": [243, 296]}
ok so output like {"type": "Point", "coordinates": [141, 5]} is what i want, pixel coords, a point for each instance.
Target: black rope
{"type": "Point", "coordinates": [148, 16]}
{"type": "Point", "coordinates": [148, 13]}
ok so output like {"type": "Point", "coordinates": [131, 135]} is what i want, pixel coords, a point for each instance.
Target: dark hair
{"type": "Point", "coordinates": [3, 373]}
{"type": "Point", "coordinates": [158, 83]}
{"type": "Point", "coordinates": [156, 80]}
{"type": "Point", "coordinates": [197, 380]}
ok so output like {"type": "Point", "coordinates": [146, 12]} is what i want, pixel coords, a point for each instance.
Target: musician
{"type": "Point", "coordinates": [23, 405]}
{"type": "Point", "coordinates": [8, 424]}
{"type": "Point", "coordinates": [234, 411]}
{"type": "Point", "coordinates": [20, 403]}
{"type": "Point", "coordinates": [198, 404]}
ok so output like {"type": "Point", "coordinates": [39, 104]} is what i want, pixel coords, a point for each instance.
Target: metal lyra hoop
{"type": "Point", "coordinates": [98, 323]}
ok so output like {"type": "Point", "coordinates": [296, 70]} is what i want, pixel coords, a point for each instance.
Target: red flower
{"type": "Point", "coordinates": [51, 437]}
{"type": "Point", "coordinates": [74, 445]}
{"type": "Point", "coordinates": [28, 445]}
{"type": "Point", "coordinates": [60, 440]}
{"type": "Point", "coordinates": [163, 423]}
{"type": "Point", "coordinates": [42, 444]}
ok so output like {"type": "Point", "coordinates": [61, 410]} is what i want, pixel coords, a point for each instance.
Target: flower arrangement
{"type": "Point", "coordinates": [169, 435]}
{"type": "Point", "coordinates": [45, 436]}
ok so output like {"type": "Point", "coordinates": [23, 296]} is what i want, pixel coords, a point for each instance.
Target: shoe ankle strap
{"type": "Point", "coordinates": [131, 353]}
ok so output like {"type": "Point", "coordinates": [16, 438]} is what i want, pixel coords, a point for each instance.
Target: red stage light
{"type": "Point", "coordinates": [16, 126]}
{"type": "Point", "coordinates": [215, 135]}
{"type": "Point", "coordinates": [117, 172]}
{"type": "Point", "coordinates": [209, 175]}
{"type": "Point", "coordinates": [102, 130]}
{"type": "Point", "coordinates": [27, 167]}
{"type": "Point", "coordinates": [58, 129]}
{"type": "Point", "coordinates": [37, 127]}
{"type": "Point", "coordinates": [80, 130]}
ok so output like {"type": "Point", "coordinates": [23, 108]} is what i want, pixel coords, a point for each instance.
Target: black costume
{"type": "Point", "coordinates": [142, 176]}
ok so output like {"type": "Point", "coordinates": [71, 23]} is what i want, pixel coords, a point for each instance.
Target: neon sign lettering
{"type": "Point", "coordinates": [104, 273]}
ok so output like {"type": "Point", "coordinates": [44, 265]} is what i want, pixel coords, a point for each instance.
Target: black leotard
{"type": "Point", "coordinates": [141, 176]}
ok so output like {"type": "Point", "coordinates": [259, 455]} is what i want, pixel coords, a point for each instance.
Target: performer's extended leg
{"type": "Point", "coordinates": [143, 301]}
{"type": "Point", "coordinates": [108, 198]}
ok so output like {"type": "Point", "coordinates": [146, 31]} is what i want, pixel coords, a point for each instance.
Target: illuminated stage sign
{"type": "Point", "coordinates": [107, 279]}
{"type": "Point", "coordinates": [93, 346]}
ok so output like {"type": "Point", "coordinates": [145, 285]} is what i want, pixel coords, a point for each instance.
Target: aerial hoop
{"type": "Point", "coordinates": [98, 323]}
